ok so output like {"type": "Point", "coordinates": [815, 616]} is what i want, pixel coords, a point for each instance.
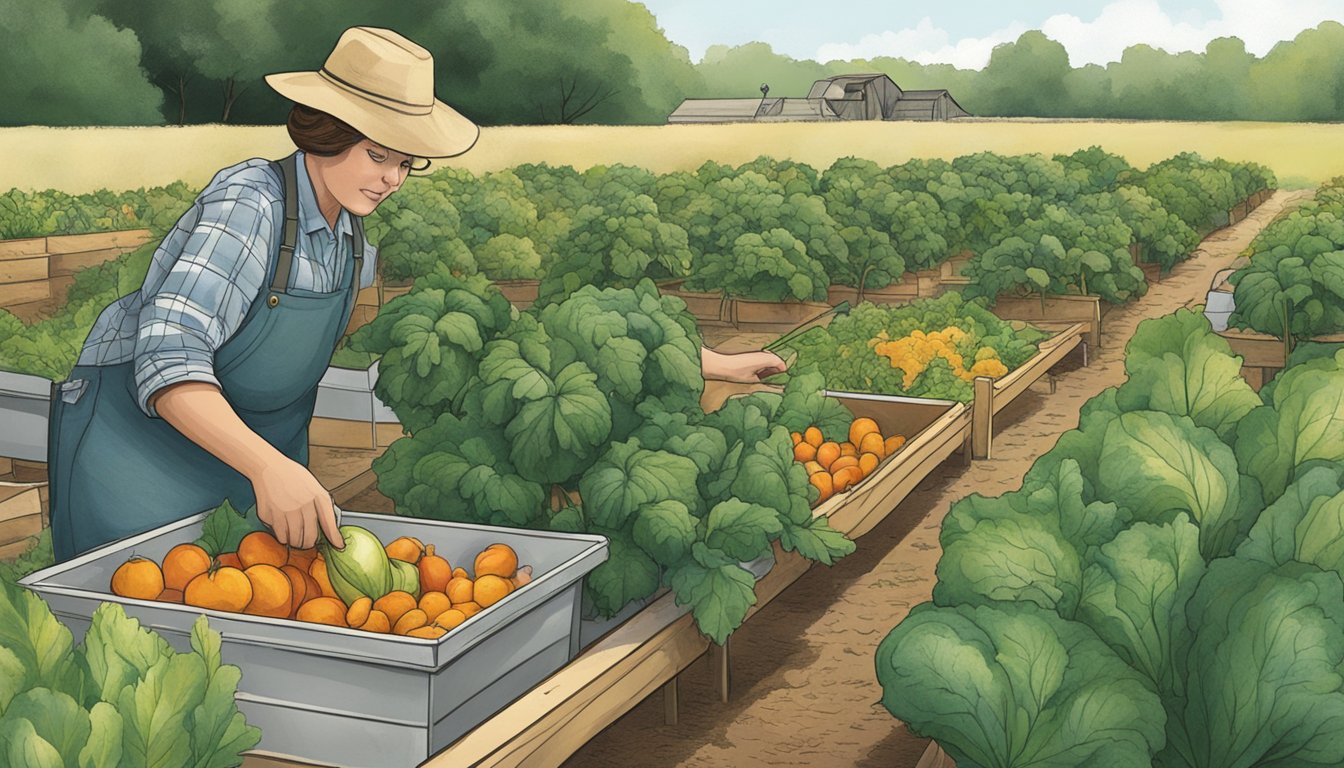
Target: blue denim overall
{"type": "Point", "coordinates": [116, 472]}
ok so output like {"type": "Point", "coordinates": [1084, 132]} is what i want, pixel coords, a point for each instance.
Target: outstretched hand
{"type": "Point", "coordinates": [742, 368]}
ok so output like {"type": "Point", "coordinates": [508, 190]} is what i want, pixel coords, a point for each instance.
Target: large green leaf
{"type": "Point", "coordinates": [555, 436]}
{"type": "Point", "coordinates": [628, 477]}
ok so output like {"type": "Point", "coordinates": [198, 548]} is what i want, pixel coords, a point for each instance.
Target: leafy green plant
{"type": "Point", "coordinates": [121, 697]}
{"type": "Point", "coordinates": [1138, 555]}
{"type": "Point", "coordinates": [584, 415]}
{"type": "Point", "coordinates": [846, 349]}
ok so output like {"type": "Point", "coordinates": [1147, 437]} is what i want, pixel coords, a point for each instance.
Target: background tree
{"type": "Point", "coordinates": [41, 86]}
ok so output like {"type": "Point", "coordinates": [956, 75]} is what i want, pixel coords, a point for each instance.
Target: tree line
{"type": "Point", "coordinates": [153, 62]}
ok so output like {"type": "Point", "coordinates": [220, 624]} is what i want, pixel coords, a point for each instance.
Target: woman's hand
{"type": "Point", "coordinates": [289, 499]}
{"type": "Point", "coordinates": [743, 368]}
{"type": "Point", "coordinates": [295, 505]}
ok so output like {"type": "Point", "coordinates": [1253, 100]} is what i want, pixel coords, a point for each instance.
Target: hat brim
{"type": "Point", "coordinates": [441, 132]}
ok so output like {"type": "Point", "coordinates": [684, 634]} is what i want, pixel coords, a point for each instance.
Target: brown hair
{"type": "Point", "coordinates": [318, 133]}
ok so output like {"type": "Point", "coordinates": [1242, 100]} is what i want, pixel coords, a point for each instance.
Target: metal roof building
{"type": "Point", "coordinates": [845, 97]}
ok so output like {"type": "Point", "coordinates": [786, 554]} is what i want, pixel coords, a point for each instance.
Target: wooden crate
{"type": "Point", "coordinates": [1056, 313]}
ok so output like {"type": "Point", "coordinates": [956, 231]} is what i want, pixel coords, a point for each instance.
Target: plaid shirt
{"type": "Point", "coordinates": [207, 272]}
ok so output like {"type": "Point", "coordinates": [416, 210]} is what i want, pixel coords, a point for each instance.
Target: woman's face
{"type": "Point", "coordinates": [365, 175]}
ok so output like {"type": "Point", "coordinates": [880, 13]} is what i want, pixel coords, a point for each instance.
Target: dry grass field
{"type": "Point", "coordinates": [84, 159]}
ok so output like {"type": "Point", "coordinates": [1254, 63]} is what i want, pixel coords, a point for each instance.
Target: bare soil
{"type": "Point", "coordinates": [805, 692]}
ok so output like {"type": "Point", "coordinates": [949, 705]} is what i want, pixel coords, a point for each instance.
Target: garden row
{"type": "Point", "coordinates": [1164, 589]}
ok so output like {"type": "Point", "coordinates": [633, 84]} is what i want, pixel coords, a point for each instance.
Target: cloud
{"type": "Point", "coordinates": [1103, 38]}
{"type": "Point", "coordinates": [924, 43]}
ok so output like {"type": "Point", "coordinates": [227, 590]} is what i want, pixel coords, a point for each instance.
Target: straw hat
{"type": "Point", "coordinates": [382, 85]}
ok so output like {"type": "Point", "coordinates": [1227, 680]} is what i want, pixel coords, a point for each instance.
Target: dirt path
{"type": "Point", "coordinates": [804, 688]}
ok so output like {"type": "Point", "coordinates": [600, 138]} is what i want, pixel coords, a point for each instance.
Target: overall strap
{"type": "Point", "coordinates": [357, 227]}
{"type": "Point", "coordinates": [291, 229]}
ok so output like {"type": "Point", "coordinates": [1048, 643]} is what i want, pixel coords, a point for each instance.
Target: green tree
{"type": "Point", "coordinates": [45, 84]}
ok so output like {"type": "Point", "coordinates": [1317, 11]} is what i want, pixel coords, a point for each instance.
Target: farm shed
{"type": "Point", "coordinates": [845, 97]}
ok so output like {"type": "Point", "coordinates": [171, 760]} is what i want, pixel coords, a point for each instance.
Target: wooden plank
{"type": "Point", "coordinates": [30, 471]}
{"type": "Point", "coordinates": [125, 239]}
{"type": "Point", "coordinates": [670, 703]}
{"type": "Point", "coordinates": [19, 500]}
{"type": "Point", "coordinates": [23, 270]}
{"type": "Point", "coordinates": [21, 528]}
{"type": "Point", "coordinates": [341, 433]}
{"type": "Point", "coordinates": [720, 659]}
{"type": "Point", "coordinates": [1052, 350]}
{"type": "Point", "coordinates": [1089, 310]}
{"type": "Point", "coordinates": [12, 550]}
{"type": "Point", "coordinates": [22, 293]}
{"type": "Point", "coordinates": [982, 418]}
{"type": "Point", "coordinates": [6, 466]}
{"type": "Point", "coordinates": [69, 263]}
{"type": "Point", "coordinates": [23, 248]}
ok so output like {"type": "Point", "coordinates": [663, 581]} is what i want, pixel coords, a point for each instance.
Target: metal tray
{"type": "Point", "coordinates": [345, 697]}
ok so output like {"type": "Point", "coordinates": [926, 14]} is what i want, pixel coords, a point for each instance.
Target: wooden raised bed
{"type": "Point", "coordinates": [705, 306]}
{"type": "Point", "coordinates": [1262, 355]}
{"type": "Point", "coordinates": [35, 271]}
{"type": "Point", "coordinates": [772, 317]}
{"type": "Point", "coordinates": [1058, 313]}
{"type": "Point", "coordinates": [520, 293]}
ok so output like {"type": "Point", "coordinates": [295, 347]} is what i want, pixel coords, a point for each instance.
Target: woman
{"type": "Point", "coordinates": [200, 386]}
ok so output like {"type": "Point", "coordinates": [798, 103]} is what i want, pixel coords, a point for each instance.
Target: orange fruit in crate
{"type": "Point", "coordinates": [497, 560]}
{"type": "Point", "coordinates": [230, 559]}
{"type": "Point", "coordinates": [469, 608]}
{"type": "Point", "coordinates": [302, 558]}
{"type": "Point", "coordinates": [170, 596]}
{"type": "Point", "coordinates": [813, 437]}
{"type": "Point", "coordinates": [796, 437]}
{"type": "Point", "coordinates": [318, 570]}
{"type": "Point", "coordinates": [804, 452]}
{"type": "Point", "coordinates": [828, 453]}
{"type": "Point", "coordinates": [220, 589]}
{"type": "Point", "coordinates": [848, 449]}
{"type": "Point", "coordinates": [261, 548]}
{"type": "Point", "coordinates": [305, 588]}
{"type": "Point", "coordinates": [406, 548]}
{"type": "Point", "coordinates": [377, 622]}
{"type": "Point", "coordinates": [183, 563]}
{"type": "Point", "coordinates": [412, 619]}
{"type": "Point", "coordinates": [490, 589]}
{"type": "Point", "coordinates": [395, 604]}
{"type": "Point", "coordinates": [138, 578]}
{"type": "Point", "coordinates": [873, 443]}
{"type": "Point", "coordinates": [427, 633]}
{"type": "Point", "coordinates": [461, 573]}
{"type": "Point", "coordinates": [435, 571]}
{"type": "Point", "coordinates": [460, 590]}
{"type": "Point", "coordinates": [358, 612]}
{"type": "Point", "coordinates": [323, 610]}
{"type": "Point", "coordinates": [813, 468]}
{"type": "Point", "coordinates": [823, 482]}
{"type": "Point", "coordinates": [893, 444]}
{"type": "Point", "coordinates": [450, 618]}
{"type": "Point", "coordinates": [434, 603]}
{"type": "Point", "coordinates": [272, 594]}
{"type": "Point", "coordinates": [868, 462]}
{"type": "Point", "coordinates": [860, 427]}
{"type": "Point", "coordinates": [843, 462]}
{"type": "Point", "coordinates": [846, 478]}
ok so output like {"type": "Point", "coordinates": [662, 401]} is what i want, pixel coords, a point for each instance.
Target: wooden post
{"type": "Point", "coordinates": [723, 669]}
{"type": "Point", "coordinates": [982, 418]}
{"type": "Point", "coordinates": [670, 701]}
{"type": "Point", "coordinates": [1094, 334]}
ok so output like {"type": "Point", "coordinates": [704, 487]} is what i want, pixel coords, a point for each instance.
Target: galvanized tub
{"type": "Point", "coordinates": [25, 403]}
{"type": "Point", "coordinates": [346, 697]}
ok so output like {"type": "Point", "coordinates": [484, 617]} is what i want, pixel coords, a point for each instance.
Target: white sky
{"type": "Point", "coordinates": [963, 32]}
